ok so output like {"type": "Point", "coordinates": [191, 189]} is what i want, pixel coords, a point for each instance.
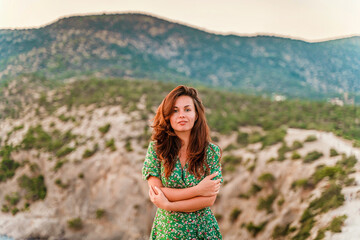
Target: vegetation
{"type": "Point", "coordinates": [281, 231]}
{"type": "Point", "coordinates": [229, 162]}
{"type": "Point", "coordinates": [75, 223]}
{"type": "Point", "coordinates": [331, 198]}
{"type": "Point", "coordinates": [295, 155]}
{"type": "Point", "coordinates": [38, 138]}
{"type": "Point", "coordinates": [111, 144]}
{"type": "Point", "coordinates": [128, 145]}
{"type": "Point", "coordinates": [222, 116]}
{"type": "Point", "coordinates": [296, 145]}
{"type": "Point", "coordinates": [312, 156]}
{"type": "Point", "coordinates": [100, 213]}
{"type": "Point", "coordinates": [59, 164]}
{"type": "Point", "coordinates": [60, 183]}
{"type": "Point", "coordinates": [337, 223]}
{"type": "Point", "coordinates": [255, 229]}
{"type": "Point", "coordinates": [266, 203]}
{"type": "Point", "coordinates": [88, 153]}
{"type": "Point", "coordinates": [303, 183]}
{"type": "Point", "coordinates": [266, 178]}
{"type": "Point", "coordinates": [35, 187]}
{"type": "Point", "coordinates": [7, 165]}
{"type": "Point", "coordinates": [333, 152]}
{"type": "Point", "coordinates": [64, 151]}
{"type": "Point", "coordinates": [311, 138]}
{"type": "Point", "coordinates": [104, 129]}
{"type": "Point", "coordinates": [281, 152]}
{"type": "Point", "coordinates": [234, 214]}
{"type": "Point", "coordinates": [13, 198]}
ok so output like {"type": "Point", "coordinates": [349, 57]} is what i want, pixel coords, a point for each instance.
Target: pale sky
{"type": "Point", "coordinates": [311, 20]}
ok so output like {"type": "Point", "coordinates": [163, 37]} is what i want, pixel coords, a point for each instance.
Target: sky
{"type": "Point", "coordinates": [309, 20]}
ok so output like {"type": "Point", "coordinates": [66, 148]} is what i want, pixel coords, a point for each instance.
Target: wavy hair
{"type": "Point", "coordinates": [168, 145]}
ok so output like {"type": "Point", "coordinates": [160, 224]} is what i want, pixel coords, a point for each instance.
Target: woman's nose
{"type": "Point", "coordinates": [181, 114]}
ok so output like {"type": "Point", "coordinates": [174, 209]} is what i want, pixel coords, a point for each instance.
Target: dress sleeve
{"type": "Point", "coordinates": [214, 162]}
{"type": "Point", "coordinates": [151, 165]}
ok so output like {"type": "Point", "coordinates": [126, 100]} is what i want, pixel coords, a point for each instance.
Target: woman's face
{"type": "Point", "coordinates": [184, 114]}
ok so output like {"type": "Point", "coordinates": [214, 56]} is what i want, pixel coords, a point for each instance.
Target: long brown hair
{"type": "Point", "coordinates": [168, 145]}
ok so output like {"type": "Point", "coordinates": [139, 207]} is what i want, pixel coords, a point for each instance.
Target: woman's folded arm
{"type": "Point", "coordinates": [173, 194]}
{"type": "Point", "coordinates": [190, 205]}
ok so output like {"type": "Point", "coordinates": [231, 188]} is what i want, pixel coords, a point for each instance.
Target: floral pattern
{"type": "Point", "coordinates": [182, 225]}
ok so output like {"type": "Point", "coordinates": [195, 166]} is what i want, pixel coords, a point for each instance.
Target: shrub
{"type": "Point", "coordinates": [255, 229]}
{"type": "Point", "coordinates": [304, 183]}
{"type": "Point", "coordinates": [312, 156]}
{"type": "Point", "coordinates": [75, 223]}
{"type": "Point", "coordinates": [128, 146]}
{"type": "Point", "coordinates": [255, 137]}
{"type": "Point", "coordinates": [100, 213]}
{"type": "Point", "coordinates": [64, 151]}
{"type": "Point", "coordinates": [273, 137]}
{"type": "Point", "coordinates": [295, 155]}
{"type": "Point", "coordinates": [59, 164]}
{"type": "Point", "coordinates": [296, 145]}
{"type": "Point", "coordinates": [60, 184]}
{"type": "Point", "coordinates": [234, 214]}
{"type": "Point", "coordinates": [81, 175]}
{"type": "Point", "coordinates": [7, 166]}
{"type": "Point", "coordinates": [333, 152]}
{"type": "Point", "coordinates": [88, 153]}
{"type": "Point", "coordinates": [104, 129]}
{"type": "Point", "coordinates": [311, 138]}
{"type": "Point", "coordinates": [266, 203]}
{"type": "Point", "coordinates": [230, 147]}
{"type": "Point", "coordinates": [34, 167]}
{"type": "Point", "coordinates": [281, 231]}
{"type": "Point", "coordinates": [243, 138]}
{"type": "Point", "coordinates": [5, 208]}
{"type": "Point", "coordinates": [35, 187]}
{"type": "Point", "coordinates": [252, 168]}
{"type": "Point", "coordinates": [254, 189]}
{"type": "Point", "coordinates": [347, 162]}
{"type": "Point", "coordinates": [111, 144]}
{"type": "Point", "coordinates": [13, 198]}
{"type": "Point", "coordinates": [337, 223]}
{"type": "Point", "coordinates": [327, 171]}
{"type": "Point", "coordinates": [281, 152]}
{"type": "Point", "coordinates": [321, 234]}
{"type": "Point", "coordinates": [281, 202]}
{"type": "Point", "coordinates": [307, 223]}
{"type": "Point", "coordinates": [14, 211]}
{"type": "Point", "coordinates": [267, 178]}
{"type": "Point", "coordinates": [331, 198]}
{"type": "Point", "coordinates": [218, 216]}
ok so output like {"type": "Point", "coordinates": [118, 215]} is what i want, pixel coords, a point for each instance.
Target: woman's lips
{"type": "Point", "coordinates": [182, 122]}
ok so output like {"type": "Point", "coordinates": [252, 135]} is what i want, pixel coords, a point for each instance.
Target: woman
{"type": "Point", "coordinates": [183, 169]}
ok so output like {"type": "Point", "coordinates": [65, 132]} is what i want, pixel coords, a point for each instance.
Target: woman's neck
{"type": "Point", "coordinates": [185, 138]}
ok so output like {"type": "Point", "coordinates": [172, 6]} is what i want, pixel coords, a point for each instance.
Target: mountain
{"type": "Point", "coordinates": [143, 46]}
{"type": "Point", "coordinates": [71, 159]}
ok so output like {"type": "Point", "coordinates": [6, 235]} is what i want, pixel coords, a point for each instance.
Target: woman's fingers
{"type": "Point", "coordinates": [159, 190]}
{"type": "Point", "coordinates": [211, 176]}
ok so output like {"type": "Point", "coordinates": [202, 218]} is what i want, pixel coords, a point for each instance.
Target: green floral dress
{"type": "Point", "coordinates": [171, 225]}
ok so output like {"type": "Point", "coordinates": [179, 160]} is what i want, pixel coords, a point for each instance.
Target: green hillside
{"type": "Point", "coordinates": [144, 47]}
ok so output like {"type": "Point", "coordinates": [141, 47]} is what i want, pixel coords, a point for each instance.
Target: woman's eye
{"type": "Point", "coordinates": [175, 110]}
{"type": "Point", "coordinates": [187, 110]}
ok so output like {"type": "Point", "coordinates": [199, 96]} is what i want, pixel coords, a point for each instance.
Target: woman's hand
{"type": "Point", "coordinates": [158, 198]}
{"type": "Point", "coordinates": [208, 187]}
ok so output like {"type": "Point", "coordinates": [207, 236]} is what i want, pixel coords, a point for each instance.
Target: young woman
{"type": "Point", "coordinates": [183, 169]}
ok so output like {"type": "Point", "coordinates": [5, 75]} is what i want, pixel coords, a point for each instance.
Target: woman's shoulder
{"type": "Point", "coordinates": [213, 148]}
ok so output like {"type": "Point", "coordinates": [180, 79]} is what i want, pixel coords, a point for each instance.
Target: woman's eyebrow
{"type": "Point", "coordinates": [184, 106]}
